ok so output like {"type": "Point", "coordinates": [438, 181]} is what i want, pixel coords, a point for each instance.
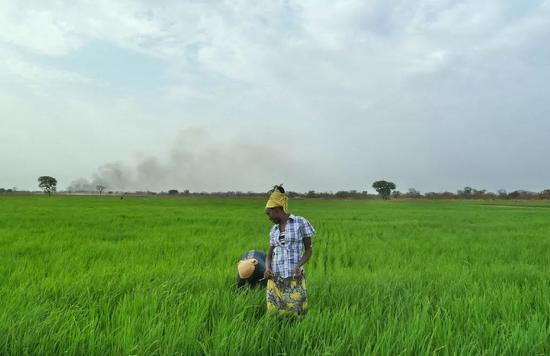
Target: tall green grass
{"type": "Point", "coordinates": [148, 276]}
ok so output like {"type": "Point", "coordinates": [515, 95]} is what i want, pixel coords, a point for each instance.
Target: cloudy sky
{"type": "Point", "coordinates": [241, 95]}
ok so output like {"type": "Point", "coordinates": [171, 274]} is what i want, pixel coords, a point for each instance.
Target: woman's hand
{"type": "Point", "coordinates": [297, 273]}
{"type": "Point", "coordinates": [268, 274]}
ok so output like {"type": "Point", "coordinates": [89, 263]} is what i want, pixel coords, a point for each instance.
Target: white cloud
{"type": "Point", "coordinates": [359, 78]}
{"type": "Point", "coordinates": [31, 73]}
{"type": "Point", "coordinates": [36, 29]}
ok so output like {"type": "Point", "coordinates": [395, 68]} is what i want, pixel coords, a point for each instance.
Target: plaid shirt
{"type": "Point", "coordinates": [289, 249]}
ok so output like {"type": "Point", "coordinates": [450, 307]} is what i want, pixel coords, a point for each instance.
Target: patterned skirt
{"type": "Point", "coordinates": [286, 296]}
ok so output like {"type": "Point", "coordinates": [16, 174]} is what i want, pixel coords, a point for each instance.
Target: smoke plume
{"type": "Point", "coordinates": [199, 162]}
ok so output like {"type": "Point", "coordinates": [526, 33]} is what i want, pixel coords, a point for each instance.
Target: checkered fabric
{"type": "Point", "coordinates": [288, 245]}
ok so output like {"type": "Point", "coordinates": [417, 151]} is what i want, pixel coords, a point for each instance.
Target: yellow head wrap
{"type": "Point", "coordinates": [278, 199]}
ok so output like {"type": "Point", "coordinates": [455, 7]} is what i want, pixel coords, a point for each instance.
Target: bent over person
{"type": "Point", "coordinates": [251, 269]}
{"type": "Point", "coordinates": [289, 249]}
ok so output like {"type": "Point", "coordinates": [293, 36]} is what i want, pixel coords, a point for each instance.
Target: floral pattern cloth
{"type": "Point", "coordinates": [286, 296]}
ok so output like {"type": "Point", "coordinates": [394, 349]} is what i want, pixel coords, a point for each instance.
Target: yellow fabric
{"type": "Point", "coordinates": [296, 296]}
{"type": "Point", "coordinates": [278, 199]}
{"type": "Point", "coordinates": [246, 267]}
{"type": "Point", "coordinates": [272, 286]}
{"type": "Point", "coordinates": [287, 298]}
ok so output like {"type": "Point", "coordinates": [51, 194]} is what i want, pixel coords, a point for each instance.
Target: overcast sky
{"type": "Point", "coordinates": [242, 95]}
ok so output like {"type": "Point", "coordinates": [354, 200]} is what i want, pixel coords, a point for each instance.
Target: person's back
{"type": "Point", "coordinates": [251, 268]}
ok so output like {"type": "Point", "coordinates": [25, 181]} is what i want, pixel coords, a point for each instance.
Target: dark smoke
{"type": "Point", "coordinates": [199, 162]}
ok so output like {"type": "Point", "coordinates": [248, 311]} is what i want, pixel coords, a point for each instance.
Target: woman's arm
{"type": "Point", "coordinates": [308, 251]}
{"type": "Point", "coordinates": [268, 273]}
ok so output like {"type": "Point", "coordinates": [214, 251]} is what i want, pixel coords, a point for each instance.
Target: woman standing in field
{"type": "Point", "coordinates": [289, 249]}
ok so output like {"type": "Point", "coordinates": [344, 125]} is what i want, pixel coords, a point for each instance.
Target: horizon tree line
{"type": "Point", "coordinates": [385, 189]}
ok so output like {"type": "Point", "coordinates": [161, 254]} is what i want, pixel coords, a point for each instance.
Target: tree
{"type": "Point", "coordinates": [396, 194]}
{"type": "Point", "coordinates": [173, 192]}
{"type": "Point", "coordinates": [341, 194]}
{"type": "Point", "coordinates": [311, 194]}
{"type": "Point", "coordinates": [413, 193]}
{"type": "Point", "coordinates": [47, 184]}
{"type": "Point", "coordinates": [100, 188]}
{"type": "Point", "coordinates": [479, 194]}
{"type": "Point", "coordinates": [464, 193]}
{"type": "Point", "coordinates": [383, 188]}
{"type": "Point", "coordinates": [289, 193]}
{"type": "Point", "coordinates": [545, 194]}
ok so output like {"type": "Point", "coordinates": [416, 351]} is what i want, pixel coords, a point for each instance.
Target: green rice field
{"type": "Point", "coordinates": [156, 276]}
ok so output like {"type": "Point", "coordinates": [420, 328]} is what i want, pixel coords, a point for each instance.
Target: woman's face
{"type": "Point", "coordinates": [273, 215]}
